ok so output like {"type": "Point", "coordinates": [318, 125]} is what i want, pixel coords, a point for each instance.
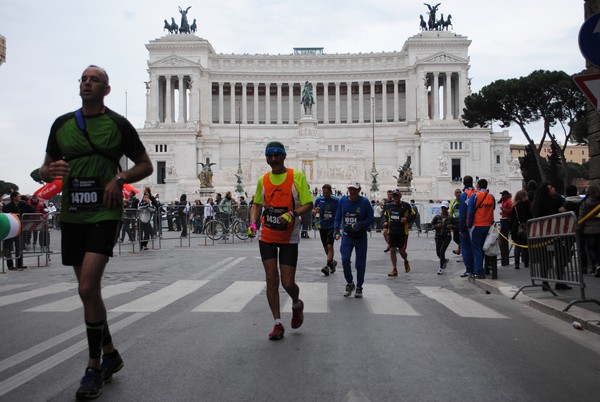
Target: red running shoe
{"type": "Point", "coordinates": [298, 315]}
{"type": "Point", "coordinates": [277, 332]}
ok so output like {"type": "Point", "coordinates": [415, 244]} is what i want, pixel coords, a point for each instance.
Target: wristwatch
{"type": "Point", "coordinates": [294, 213]}
{"type": "Point", "coordinates": [120, 180]}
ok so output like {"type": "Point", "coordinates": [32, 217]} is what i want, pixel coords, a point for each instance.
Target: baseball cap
{"type": "Point", "coordinates": [396, 192]}
{"type": "Point", "coordinates": [445, 204]}
{"type": "Point", "coordinates": [354, 184]}
{"type": "Point", "coordinates": [274, 147]}
{"type": "Point", "coordinates": [505, 192]}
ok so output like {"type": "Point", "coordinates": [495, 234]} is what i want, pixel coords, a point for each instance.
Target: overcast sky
{"type": "Point", "coordinates": [49, 43]}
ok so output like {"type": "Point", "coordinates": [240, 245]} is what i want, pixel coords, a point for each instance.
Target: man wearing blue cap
{"type": "Point", "coordinates": [353, 218]}
{"type": "Point", "coordinates": [284, 195]}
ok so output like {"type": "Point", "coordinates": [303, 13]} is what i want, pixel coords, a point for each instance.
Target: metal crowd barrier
{"type": "Point", "coordinates": [555, 254]}
{"type": "Point", "coordinates": [34, 241]}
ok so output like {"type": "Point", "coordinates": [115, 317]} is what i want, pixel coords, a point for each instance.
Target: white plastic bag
{"type": "Point", "coordinates": [491, 246]}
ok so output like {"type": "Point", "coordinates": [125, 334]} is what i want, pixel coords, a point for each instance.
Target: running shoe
{"type": "Point", "coordinates": [349, 289]}
{"type": "Point", "coordinates": [111, 363]}
{"type": "Point", "coordinates": [298, 315]}
{"type": "Point", "coordinates": [393, 272]}
{"type": "Point", "coordinates": [406, 267]}
{"type": "Point", "coordinates": [325, 270]}
{"type": "Point", "coordinates": [387, 250]}
{"type": "Point", "coordinates": [479, 276]}
{"type": "Point", "coordinates": [277, 332]}
{"type": "Point", "coordinates": [445, 265]}
{"type": "Point", "coordinates": [358, 293]}
{"type": "Point", "coordinates": [332, 266]}
{"type": "Point", "coordinates": [440, 271]}
{"type": "Point", "coordinates": [90, 385]}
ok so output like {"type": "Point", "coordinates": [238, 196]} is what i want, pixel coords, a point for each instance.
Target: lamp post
{"type": "Point", "coordinates": [374, 174]}
{"type": "Point", "coordinates": [238, 188]}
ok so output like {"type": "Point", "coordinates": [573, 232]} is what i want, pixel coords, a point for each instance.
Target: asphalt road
{"type": "Point", "coordinates": [192, 324]}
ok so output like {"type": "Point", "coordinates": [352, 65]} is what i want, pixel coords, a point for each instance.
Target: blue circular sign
{"type": "Point", "coordinates": [589, 39]}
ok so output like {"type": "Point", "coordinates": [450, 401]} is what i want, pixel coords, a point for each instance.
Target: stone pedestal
{"type": "Point", "coordinates": [205, 193]}
{"type": "Point", "coordinates": [171, 190]}
{"type": "Point", "coordinates": [307, 146]}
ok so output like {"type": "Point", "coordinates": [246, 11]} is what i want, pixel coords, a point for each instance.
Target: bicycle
{"type": "Point", "coordinates": [217, 228]}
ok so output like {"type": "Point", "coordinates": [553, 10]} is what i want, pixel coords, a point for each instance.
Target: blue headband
{"type": "Point", "coordinates": [275, 150]}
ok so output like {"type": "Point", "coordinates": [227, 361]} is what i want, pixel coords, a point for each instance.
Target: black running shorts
{"type": "Point", "coordinates": [399, 240]}
{"type": "Point", "coordinates": [78, 239]}
{"type": "Point", "coordinates": [288, 253]}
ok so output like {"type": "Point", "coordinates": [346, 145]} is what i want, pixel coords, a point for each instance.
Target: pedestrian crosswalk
{"type": "Point", "coordinates": [235, 297]}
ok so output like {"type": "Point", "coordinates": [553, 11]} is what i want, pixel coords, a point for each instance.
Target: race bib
{"type": "Point", "coordinates": [270, 216]}
{"type": "Point", "coordinates": [85, 194]}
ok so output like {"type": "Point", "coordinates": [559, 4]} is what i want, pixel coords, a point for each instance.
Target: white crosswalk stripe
{"type": "Point", "coordinates": [162, 298]}
{"type": "Point", "coordinates": [32, 294]}
{"type": "Point", "coordinates": [314, 296]}
{"type": "Point", "coordinates": [6, 288]}
{"type": "Point", "coordinates": [233, 299]}
{"type": "Point", "coordinates": [380, 299]}
{"type": "Point", "coordinates": [458, 304]}
{"type": "Point", "coordinates": [74, 302]}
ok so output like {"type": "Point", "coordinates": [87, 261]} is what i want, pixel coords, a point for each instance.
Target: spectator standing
{"type": "Point", "coordinates": [520, 214]}
{"type": "Point", "coordinates": [39, 207]}
{"type": "Point", "coordinates": [591, 227]}
{"type": "Point", "coordinates": [465, 237]}
{"type": "Point", "coordinates": [505, 210]}
{"type": "Point", "coordinates": [15, 206]}
{"type": "Point", "coordinates": [455, 213]}
{"type": "Point", "coordinates": [480, 217]}
{"type": "Point", "coordinates": [183, 209]}
{"type": "Point", "coordinates": [417, 219]}
{"type": "Point", "coordinates": [145, 212]}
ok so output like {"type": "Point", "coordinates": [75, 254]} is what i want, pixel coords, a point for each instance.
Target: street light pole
{"type": "Point", "coordinates": [239, 189]}
{"type": "Point", "coordinates": [374, 174]}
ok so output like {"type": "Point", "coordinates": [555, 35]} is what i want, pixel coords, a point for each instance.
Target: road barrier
{"type": "Point", "coordinates": [555, 254]}
{"type": "Point", "coordinates": [32, 242]}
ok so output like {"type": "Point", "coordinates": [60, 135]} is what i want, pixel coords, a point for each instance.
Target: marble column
{"type": "Point", "coordinates": [267, 103]}
{"type": "Point", "coordinates": [337, 103]}
{"type": "Point", "coordinates": [448, 97]}
{"type": "Point", "coordinates": [255, 85]}
{"type": "Point", "coordinates": [349, 103]}
{"type": "Point", "coordinates": [325, 103]}
{"type": "Point", "coordinates": [436, 94]}
{"type": "Point", "coordinates": [244, 103]}
{"type": "Point", "coordinates": [361, 102]}
{"type": "Point", "coordinates": [168, 100]}
{"type": "Point", "coordinates": [291, 103]}
{"type": "Point", "coordinates": [279, 119]}
{"type": "Point", "coordinates": [221, 114]}
{"type": "Point", "coordinates": [396, 105]}
{"type": "Point", "coordinates": [384, 101]}
{"type": "Point", "coordinates": [232, 106]}
{"type": "Point", "coordinates": [182, 101]}
{"type": "Point", "coordinates": [372, 96]}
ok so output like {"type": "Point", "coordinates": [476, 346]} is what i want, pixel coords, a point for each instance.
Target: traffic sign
{"type": "Point", "coordinates": [590, 86]}
{"type": "Point", "coordinates": [589, 39]}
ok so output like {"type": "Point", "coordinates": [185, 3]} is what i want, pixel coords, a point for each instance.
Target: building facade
{"type": "Point", "coordinates": [374, 115]}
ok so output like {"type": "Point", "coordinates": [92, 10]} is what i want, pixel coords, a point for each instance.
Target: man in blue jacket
{"type": "Point", "coordinates": [353, 219]}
